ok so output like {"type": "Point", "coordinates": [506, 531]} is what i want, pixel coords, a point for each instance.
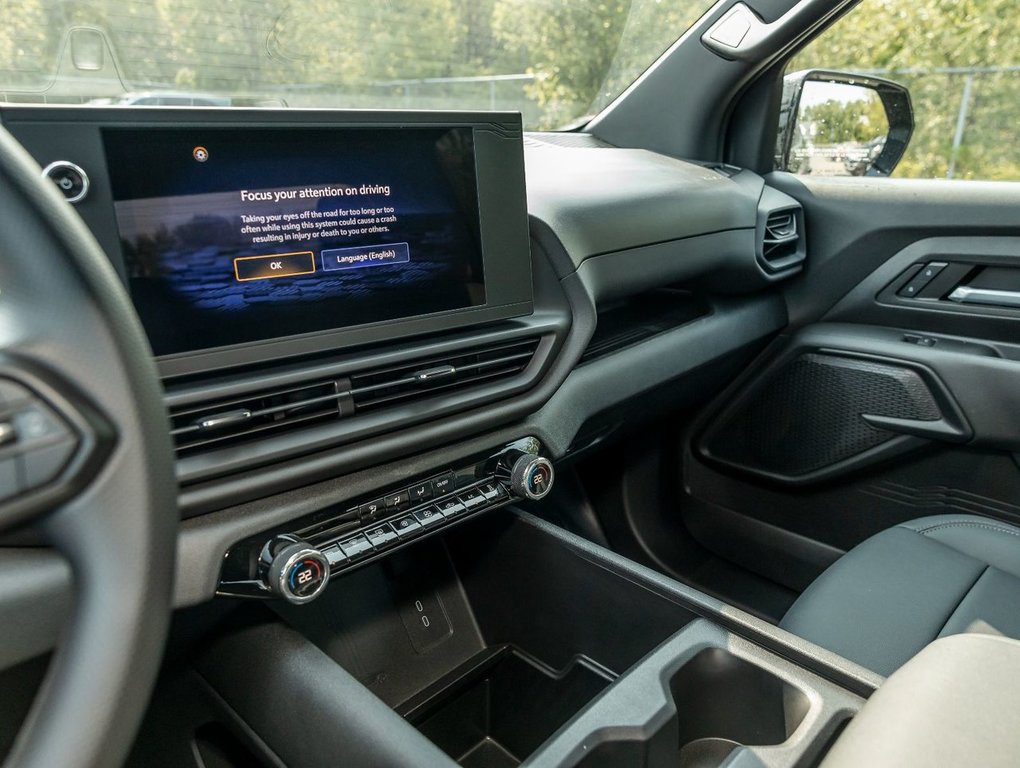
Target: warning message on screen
{"type": "Point", "coordinates": [287, 225]}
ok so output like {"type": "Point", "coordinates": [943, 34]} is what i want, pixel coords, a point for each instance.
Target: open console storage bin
{"type": "Point", "coordinates": [504, 706]}
{"type": "Point", "coordinates": [511, 642]}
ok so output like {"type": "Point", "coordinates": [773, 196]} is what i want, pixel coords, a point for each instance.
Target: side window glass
{"type": "Point", "coordinates": [960, 63]}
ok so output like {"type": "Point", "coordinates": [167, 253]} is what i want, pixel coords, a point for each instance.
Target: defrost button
{"type": "Point", "coordinates": [381, 535]}
{"type": "Point", "coordinates": [356, 546]}
{"type": "Point", "coordinates": [334, 555]}
{"type": "Point", "coordinates": [451, 507]}
{"type": "Point", "coordinates": [493, 491]}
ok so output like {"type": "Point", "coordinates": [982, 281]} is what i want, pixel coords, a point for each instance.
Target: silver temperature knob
{"type": "Point", "coordinates": [531, 477]}
{"type": "Point", "coordinates": [294, 570]}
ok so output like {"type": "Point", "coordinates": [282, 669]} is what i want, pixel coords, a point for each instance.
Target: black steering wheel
{"type": "Point", "coordinates": [77, 381]}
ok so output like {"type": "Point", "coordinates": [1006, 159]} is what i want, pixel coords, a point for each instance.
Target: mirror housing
{"type": "Point", "coordinates": [895, 100]}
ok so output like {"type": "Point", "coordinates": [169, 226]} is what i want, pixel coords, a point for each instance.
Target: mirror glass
{"type": "Point", "coordinates": [840, 130]}
{"type": "Point", "coordinates": [87, 49]}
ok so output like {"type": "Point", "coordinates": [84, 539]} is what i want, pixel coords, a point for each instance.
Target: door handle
{"type": "Point", "coordinates": [988, 296]}
{"type": "Point", "coordinates": [941, 429]}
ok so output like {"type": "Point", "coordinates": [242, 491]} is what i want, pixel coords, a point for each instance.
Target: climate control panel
{"type": "Point", "coordinates": [296, 563]}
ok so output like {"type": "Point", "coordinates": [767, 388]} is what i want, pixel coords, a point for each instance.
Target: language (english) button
{"type": "Point", "coordinates": [335, 259]}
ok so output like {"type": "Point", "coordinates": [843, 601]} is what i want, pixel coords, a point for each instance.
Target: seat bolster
{"type": "Point", "coordinates": [992, 542]}
{"type": "Point", "coordinates": [884, 600]}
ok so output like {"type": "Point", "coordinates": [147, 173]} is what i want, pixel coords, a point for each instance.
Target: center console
{"type": "Point", "coordinates": [506, 641]}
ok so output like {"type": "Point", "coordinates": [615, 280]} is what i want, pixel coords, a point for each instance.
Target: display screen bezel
{"type": "Point", "coordinates": [74, 133]}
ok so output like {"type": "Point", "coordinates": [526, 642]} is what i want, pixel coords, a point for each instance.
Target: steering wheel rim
{"type": "Point", "coordinates": [66, 321]}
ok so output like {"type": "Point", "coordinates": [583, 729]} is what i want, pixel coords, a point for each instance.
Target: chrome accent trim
{"type": "Point", "coordinates": [85, 183]}
{"type": "Point", "coordinates": [987, 296]}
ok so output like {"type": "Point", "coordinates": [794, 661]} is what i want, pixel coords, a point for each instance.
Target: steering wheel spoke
{"type": "Point", "coordinates": [52, 443]}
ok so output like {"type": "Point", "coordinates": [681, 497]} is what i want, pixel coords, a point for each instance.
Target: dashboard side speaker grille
{"type": "Point", "coordinates": [224, 421]}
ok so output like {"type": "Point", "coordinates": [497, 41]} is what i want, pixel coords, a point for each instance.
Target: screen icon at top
{"type": "Point", "coordinates": [200, 153]}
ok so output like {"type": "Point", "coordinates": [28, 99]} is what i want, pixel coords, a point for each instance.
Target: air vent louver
{"type": "Point", "coordinates": [375, 389]}
{"type": "Point", "coordinates": [225, 421]}
{"type": "Point", "coordinates": [780, 248]}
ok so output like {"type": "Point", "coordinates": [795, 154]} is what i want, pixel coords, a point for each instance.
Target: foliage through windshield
{"type": "Point", "coordinates": [556, 61]}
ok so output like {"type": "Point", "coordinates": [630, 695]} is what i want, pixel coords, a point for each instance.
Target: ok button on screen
{"type": "Point", "coordinates": [277, 265]}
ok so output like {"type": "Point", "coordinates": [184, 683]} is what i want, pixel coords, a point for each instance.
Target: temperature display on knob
{"type": "Point", "coordinates": [293, 570]}
{"type": "Point", "coordinates": [531, 477]}
{"type": "Point", "coordinates": [538, 480]}
{"type": "Point", "coordinates": [306, 576]}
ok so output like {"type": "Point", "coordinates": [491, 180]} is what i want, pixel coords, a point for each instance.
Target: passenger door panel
{"type": "Point", "coordinates": [881, 404]}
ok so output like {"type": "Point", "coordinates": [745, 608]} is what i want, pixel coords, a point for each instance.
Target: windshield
{"type": "Point", "coordinates": [556, 61]}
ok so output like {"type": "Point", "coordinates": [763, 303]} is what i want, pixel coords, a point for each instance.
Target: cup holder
{"type": "Point", "coordinates": [723, 702]}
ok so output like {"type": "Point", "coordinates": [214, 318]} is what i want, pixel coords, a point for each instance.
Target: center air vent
{"type": "Point", "coordinates": [225, 421]}
{"type": "Point", "coordinates": [222, 421]}
{"type": "Point", "coordinates": [375, 389]}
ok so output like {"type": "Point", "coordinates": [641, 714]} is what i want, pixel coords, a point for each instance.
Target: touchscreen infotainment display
{"type": "Point", "coordinates": [233, 236]}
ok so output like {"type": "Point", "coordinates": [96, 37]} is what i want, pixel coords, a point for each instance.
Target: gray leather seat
{"type": "Point", "coordinates": [891, 595]}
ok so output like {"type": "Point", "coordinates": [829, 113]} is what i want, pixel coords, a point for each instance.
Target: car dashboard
{"type": "Point", "coordinates": [381, 339]}
{"type": "Point", "coordinates": [344, 306]}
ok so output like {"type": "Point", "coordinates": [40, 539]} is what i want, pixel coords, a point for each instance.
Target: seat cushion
{"type": "Point", "coordinates": [887, 598]}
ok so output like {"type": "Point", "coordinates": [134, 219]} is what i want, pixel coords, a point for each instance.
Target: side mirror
{"type": "Point", "coordinates": [842, 124]}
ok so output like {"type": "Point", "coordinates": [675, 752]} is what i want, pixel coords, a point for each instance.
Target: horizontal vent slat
{"type": "Point", "coordinates": [389, 399]}
{"type": "Point", "coordinates": [259, 414]}
{"type": "Point", "coordinates": [254, 431]}
{"type": "Point", "coordinates": [240, 400]}
{"type": "Point", "coordinates": [781, 238]}
{"type": "Point", "coordinates": [428, 362]}
{"type": "Point", "coordinates": [399, 384]}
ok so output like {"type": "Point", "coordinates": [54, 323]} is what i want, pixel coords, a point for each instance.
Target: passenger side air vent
{"type": "Point", "coordinates": [226, 421]}
{"type": "Point", "coordinates": [780, 242]}
{"type": "Point", "coordinates": [780, 233]}
{"type": "Point", "coordinates": [375, 389]}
